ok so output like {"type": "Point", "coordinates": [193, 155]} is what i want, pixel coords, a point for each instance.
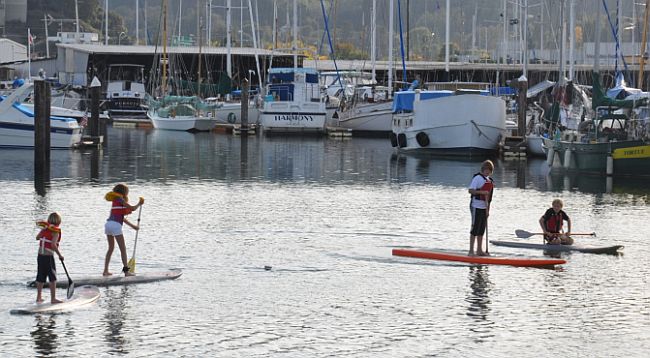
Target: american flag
{"type": "Point", "coordinates": [84, 120]}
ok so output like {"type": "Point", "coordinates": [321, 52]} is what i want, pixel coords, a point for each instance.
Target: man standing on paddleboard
{"type": "Point", "coordinates": [481, 189]}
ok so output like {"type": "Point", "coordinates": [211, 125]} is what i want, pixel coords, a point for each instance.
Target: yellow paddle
{"type": "Point", "coordinates": [131, 263]}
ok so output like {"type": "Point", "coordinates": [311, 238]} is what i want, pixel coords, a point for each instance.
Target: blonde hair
{"type": "Point", "coordinates": [54, 219]}
{"type": "Point", "coordinates": [558, 202]}
{"type": "Point", "coordinates": [487, 164]}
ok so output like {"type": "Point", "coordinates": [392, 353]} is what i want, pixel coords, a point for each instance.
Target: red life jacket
{"type": "Point", "coordinates": [554, 222]}
{"type": "Point", "coordinates": [46, 240]}
{"type": "Point", "coordinates": [119, 207]}
{"type": "Point", "coordinates": [488, 186]}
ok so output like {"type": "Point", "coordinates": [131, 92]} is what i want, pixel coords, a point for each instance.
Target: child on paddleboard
{"type": "Point", "coordinates": [48, 244]}
{"type": "Point", "coordinates": [481, 189]}
{"type": "Point", "coordinates": [552, 222]}
{"type": "Point", "coordinates": [113, 227]}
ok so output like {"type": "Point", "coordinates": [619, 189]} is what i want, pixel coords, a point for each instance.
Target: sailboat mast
{"type": "Point", "coordinates": [644, 41]}
{"type": "Point", "coordinates": [447, 37]}
{"type": "Point", "coordinates": [373, 42]}
{"type": "Point", "coordinates": [295, 34]}
{"type": "Point", "coordinates": [390, 48]}
{"type": "Point", "coordinates": [560, 79]}
{"type": "Point", "coordinates": [105, 22]}
{"type": "Point", "coordinates": [137, 22]}
{"type": "Point", "coordinates": [572, 37]}
{"type": "Point", "coordinates": [228, 39]}
{"type": "Point", "coordinates": [257, 57]}
{"type": "Point", "coordinates": [164, 54]}
{"type": "Point", "coordinates": [200, 33]}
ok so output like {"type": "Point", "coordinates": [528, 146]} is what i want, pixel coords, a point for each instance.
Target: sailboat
{"type": "Point", "coordinates": [368, 109]}
{"type": "Point", "coordinates": [180, 113]}
{"type": "Point", "coordinates": [617, 140]}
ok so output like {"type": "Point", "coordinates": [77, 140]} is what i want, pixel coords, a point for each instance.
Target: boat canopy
{"type": "Point", "coordinates": [286, 75]}
{"type": "Point", "coordinates": [403, 101]}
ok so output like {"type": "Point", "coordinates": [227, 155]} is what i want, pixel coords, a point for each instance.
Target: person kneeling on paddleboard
{"type": "Point", "coordinates": [481, 189]}
{"type": "Point", "coordinates": [48, 243]}
{"type": "Point", "coordinates": [113, 227]}
{"type": "Point", "coordinates": [552, 221]}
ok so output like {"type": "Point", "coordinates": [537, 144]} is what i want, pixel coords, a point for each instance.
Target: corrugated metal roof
{"type": "Point", "coordinates": [144, 50]}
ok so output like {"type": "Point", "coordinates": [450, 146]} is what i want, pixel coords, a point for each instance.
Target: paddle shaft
{"type": "Point", "coordinates": [66, 273]}
{"type": "Point", "coordinates": [136, 233]}
{"type": "Point", "coordinates": [70, 291]}
{"type": "Point", "coordinates": [528, 234]}
{"type": "Point", "coordinates": [487, 217]}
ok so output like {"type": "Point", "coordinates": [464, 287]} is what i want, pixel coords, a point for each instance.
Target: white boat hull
{"type": "Point", "coordinates": [183, 123]}
{"type": "Point", "coordinates": [288, 117]}
{"type": "Point", "coordinates": [458, 124]}
{"type": "Point", "coordinates": [369, 117]}
{"type": "Point", "coordinates": [535, 145]}
{"type": "Point", "coordinates": [230, 113]}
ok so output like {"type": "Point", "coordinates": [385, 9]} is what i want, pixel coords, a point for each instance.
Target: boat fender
{"type": "Point", "coordinates": [401, 140]}
{"type": "Point", "coordinates": [422, 139]}
{"type": "Point", "coordinates": [393, 139]}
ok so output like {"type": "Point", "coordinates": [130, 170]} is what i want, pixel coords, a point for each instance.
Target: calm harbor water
{"type": "Point", "coordinates": [324, 214]}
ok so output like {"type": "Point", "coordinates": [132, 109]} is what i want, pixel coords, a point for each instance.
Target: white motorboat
{"type": "Point", "coordinates": [294, 102]}
{"type": "Point", "coordinates": [17, 124]}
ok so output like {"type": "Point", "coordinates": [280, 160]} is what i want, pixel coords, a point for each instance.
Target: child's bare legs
{"type": "Point", "coordinates": [122, 245]}
{"type": "Point", "coordinates": [479, 246]}
{"type": "Point", "coordinates": [109, 253]}
{"type": "Point", "coordinates": [53, 293]}
{"type": "Point", "coordinates": [39, 291]}
{"type": "Point", "coordinates": [472, 238]}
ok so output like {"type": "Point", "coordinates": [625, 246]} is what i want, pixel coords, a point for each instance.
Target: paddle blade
{"type": "Point", "coordinates": [131, 265]}
{"type": "Point", "coordinates": [523, 234]}
{"type": "Point", "coordinates": [70, 289]}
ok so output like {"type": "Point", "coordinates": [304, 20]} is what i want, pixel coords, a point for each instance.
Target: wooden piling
{"type": "Point", "coordinates": [521, 105]}
{"type": "Point", "coordinates": [244, 107]}
{"type": "Point", "coordinates": [96, 125]}
{"type": "Point", "coordinates": [42, 97]}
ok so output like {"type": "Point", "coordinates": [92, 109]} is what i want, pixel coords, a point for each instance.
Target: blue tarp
{"type": "Point", "coordinates": [403, 101]}
{"type": "Point", "coordinates": [503, 91]}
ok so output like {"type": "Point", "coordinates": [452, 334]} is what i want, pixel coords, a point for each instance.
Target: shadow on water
{"type": "Point", "coordinates": [115, 318]}
{"type": "Point", "coordinates": [46, 341]}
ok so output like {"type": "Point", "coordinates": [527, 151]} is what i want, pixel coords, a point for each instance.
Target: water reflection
{"type": "Point", "coordinates": [166, 156]}
{"type": "Point", "coordinates": [416, 168]}
{"type": "Point", "coordinates": [115, 318]}
{"type": "Point", "coordinates": [479, 298]}
{"type": "Point", "coordinates": [46, 340]}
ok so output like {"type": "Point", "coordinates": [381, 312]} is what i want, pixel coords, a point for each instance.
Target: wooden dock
{"type": "Point", "coordinates": [514, 147]}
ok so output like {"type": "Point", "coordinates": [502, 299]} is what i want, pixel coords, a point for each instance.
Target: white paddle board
{"type": "Point", "coordinates": [82, 296]}
{"type": "Point", "coordinates": [119, 279]}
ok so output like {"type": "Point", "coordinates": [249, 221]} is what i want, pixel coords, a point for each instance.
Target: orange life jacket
{"type": "Point", "coordinates": [46, 240]}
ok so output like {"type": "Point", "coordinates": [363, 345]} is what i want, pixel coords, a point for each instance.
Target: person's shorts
{"type": "Point", "coordinates": [113, 228]}
{"type": "Point", "coordinates": [46, 268]}
{"type": "Point", "coordinates": [479, 221]}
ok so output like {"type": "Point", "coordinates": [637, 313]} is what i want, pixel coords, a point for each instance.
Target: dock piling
{"type": "Point", "coordinates": [41, 135]}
